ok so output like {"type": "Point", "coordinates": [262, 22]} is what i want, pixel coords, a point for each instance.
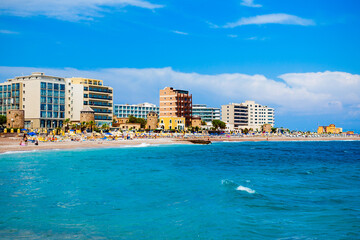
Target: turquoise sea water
{"type": "Point", "coordinates": [248, 190]}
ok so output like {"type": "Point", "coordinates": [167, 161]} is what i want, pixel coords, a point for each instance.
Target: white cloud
{"type": "Point", "coordinates": [3, 31]}
{"type": "Point", "coordinates": [298, 93]}
{"type": "Point", "coordinates": [232, 36]}
{"type": "Point", "coordinates": [181, 33]}
{"type": "Point", "coordinates": [69, 10]}
{"type": "Point", "coordinates": [276, 18]}
{"type": "Point", "coordinates": [250, 3]}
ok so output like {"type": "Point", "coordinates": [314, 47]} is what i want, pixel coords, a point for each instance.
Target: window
{"type": "Point", "coordinates": [56, 86]}
{"type": "Point", "coordinates": [43, 114]}
{"type": "Point", "coordinates": [49, 107]}
{"type": "Point", "coordinates": [43, 107]}
{"type": "Point", "coordinates": [43, 85]}
{"type": "Point", "coordinates": [50, 86]}
{"type": "Point", "coordinates": [62, 108]}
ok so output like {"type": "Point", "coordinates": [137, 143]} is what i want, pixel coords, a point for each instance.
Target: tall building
{"type": "Point", "coordinates": [176, 103]}
{"type": "Point", "coordinates": [247, 115]}
{"type": "Point", "coordinates": [137, 110]}
{"type": "Point", "coordinates": [89, 92]}
{"type": "Point", "coordinates": [207, 114]}
{"type": "Point", "coordinates": [41, 97]}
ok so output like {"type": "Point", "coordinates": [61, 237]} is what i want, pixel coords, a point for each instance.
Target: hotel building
{"type": "Point", "coordinates": [137, 110]}
{"type": "Point", "coordinates": [176, 103]}
{"type": "Point", "coordinates": [47, 100]}
{"type": "Point", "coordinates": [207, 114]}
{"type": "Point", "coordinates": [41, 97]}
{"type": "Point", "coordinates": [84, 92]}
{"type": "Point", "coordinates": [246, 115]}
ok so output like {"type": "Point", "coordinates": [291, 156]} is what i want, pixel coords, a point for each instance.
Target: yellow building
{"type": "Point", "coordinates": [172, 123]}
{"type": "Point", "coordinates": [329, 129]}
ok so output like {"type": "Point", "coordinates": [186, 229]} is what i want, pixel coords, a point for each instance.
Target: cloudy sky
{"type": "Point", "coordinates": [300, 57]}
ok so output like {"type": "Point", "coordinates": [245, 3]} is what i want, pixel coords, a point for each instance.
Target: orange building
{"type": "Point", "coordinates": [329, 129]}
{"type": "Point", "coordinates": [176, 103]}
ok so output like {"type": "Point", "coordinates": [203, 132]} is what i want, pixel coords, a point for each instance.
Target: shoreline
{"type": "Point", "coordinates": [8, 145]}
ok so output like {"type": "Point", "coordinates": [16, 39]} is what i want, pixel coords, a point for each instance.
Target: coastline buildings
{"type": "Point", "coordinates": [246, 115]}
{"type": "Point", "coordinates": [83, 92]}
{"type": "Point", "coordinates": [137, 110]}
{"type": "Point", "coordinates": [207, 114]}
{"type": "Point", "coordinates": [175, 104]}
{"type": "Point", "coordinates": [329, 129]}
{"type": "Point", "coordinates": [41, 97]}
{"type": "Point", "coordinates": [48, 100]}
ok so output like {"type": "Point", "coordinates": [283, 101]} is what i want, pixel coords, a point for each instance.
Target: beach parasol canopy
{"type": "Point", "coordinates": [23, 129]}
{"type": "Point", "coordinates": [108, 133]}
{"type": "Point", "coordinates": [31, 134]}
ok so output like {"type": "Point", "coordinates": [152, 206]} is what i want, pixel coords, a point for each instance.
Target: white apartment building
{"type": "Point", "coordinates": [207, 114]}
{"type": "Point", "coordinates": [84, 92]}
{"type": "Point", "coordinates": [137, 110]}
{"type": "Point", "coordinates": [47, 100]}
{"type": "Point", "coordinates": [247, 115]}
{"type": "Point", "coordinates": [41, 97]}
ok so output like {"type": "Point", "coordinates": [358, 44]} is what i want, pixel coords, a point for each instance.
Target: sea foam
{"type": "Point", "coordinates": [246, 189]}
{"type": "Point", "coordinates": [237, 187]}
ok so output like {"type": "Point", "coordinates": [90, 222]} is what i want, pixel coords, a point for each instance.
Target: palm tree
{"type": "Point", "coordinates": [91, 124]}
{"type": "Point", "coordinates": [105, 126]}
{"type": "Point", "coordinates": [67, 121]}
{"type": "Point", "coordinates": [83, 126]}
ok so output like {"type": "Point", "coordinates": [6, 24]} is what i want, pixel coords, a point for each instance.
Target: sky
{"type": "Point", "coordinates": [300, 57]}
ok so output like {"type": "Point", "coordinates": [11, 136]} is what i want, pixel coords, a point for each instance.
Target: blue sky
{"type": "Point", "coordinates": [300, 57]}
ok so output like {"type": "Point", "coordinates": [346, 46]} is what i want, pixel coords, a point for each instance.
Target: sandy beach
{"type": "Point", "coordinates": [11, 144]}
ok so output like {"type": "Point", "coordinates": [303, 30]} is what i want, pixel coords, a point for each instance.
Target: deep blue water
{"type": "Point", "coordinates": [249, 190]}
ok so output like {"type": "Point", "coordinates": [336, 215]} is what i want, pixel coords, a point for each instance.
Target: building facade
{"type": "Point", "coordinates": [47, 100]}
{"type": "Point", "coordinates": [172, 123]}
{"type": "Point", "coordinates": [207, 114]}
{"type": "Point", "coordinates": [137, 110]}
{"type": "Point", "coordinates": [176, 103]}
{"type": "Point", "coordinates": [83, 92]}
{"type": "Point", "coordinates": [41, 97]}
{"type": "Point", "coordinates": [329, 129]}
{"type": "Point", "coordinates": [247, 115]}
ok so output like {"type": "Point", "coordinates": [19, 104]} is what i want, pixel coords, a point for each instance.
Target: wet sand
{"type": "Point", "coordinates": [12, 144]}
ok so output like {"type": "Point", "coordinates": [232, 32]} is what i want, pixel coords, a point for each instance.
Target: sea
{"type": "Point", "coordinates": [226, 190]}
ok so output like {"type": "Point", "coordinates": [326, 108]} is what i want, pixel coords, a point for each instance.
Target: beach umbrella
{"type": "Point", "coordinates": [23, 129]}
{"type": "Point", "coordinates": [108, 133]}
{"type": "Point", "coordinates": [31, 134]}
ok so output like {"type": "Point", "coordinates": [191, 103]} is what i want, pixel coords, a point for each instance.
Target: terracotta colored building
{"type": "Point", "coordinates": [176, 103]}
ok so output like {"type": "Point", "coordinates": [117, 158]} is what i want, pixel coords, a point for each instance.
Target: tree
{"type": "Point", "coordinates": [91, 124]}
{"type": "Point", "coordinates": [218, 124]}
{"type": "Point", "coordinates": [105, 126]}
{"type": "Point", "coordinates": [2, 119]}
{"type": "Point", "coordinates": [67, 121]}
{"type": "Point", "coordinates": [203, 123]}
{"type": "Point", "coordinates": [273, 130]}
{"type": "Point", "coordinates": [246, 131]}
{"type": "Point", "coordinates": [133, 119]}
{"type": "Point", "coordinates": [83, 126]}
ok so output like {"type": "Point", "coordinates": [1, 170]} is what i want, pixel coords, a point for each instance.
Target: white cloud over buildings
{"type": "Point", "coordinates": [297, 93]}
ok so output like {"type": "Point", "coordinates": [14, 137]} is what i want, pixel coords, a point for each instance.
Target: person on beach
{"type": "Point", "coordinates": [25, 139]}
